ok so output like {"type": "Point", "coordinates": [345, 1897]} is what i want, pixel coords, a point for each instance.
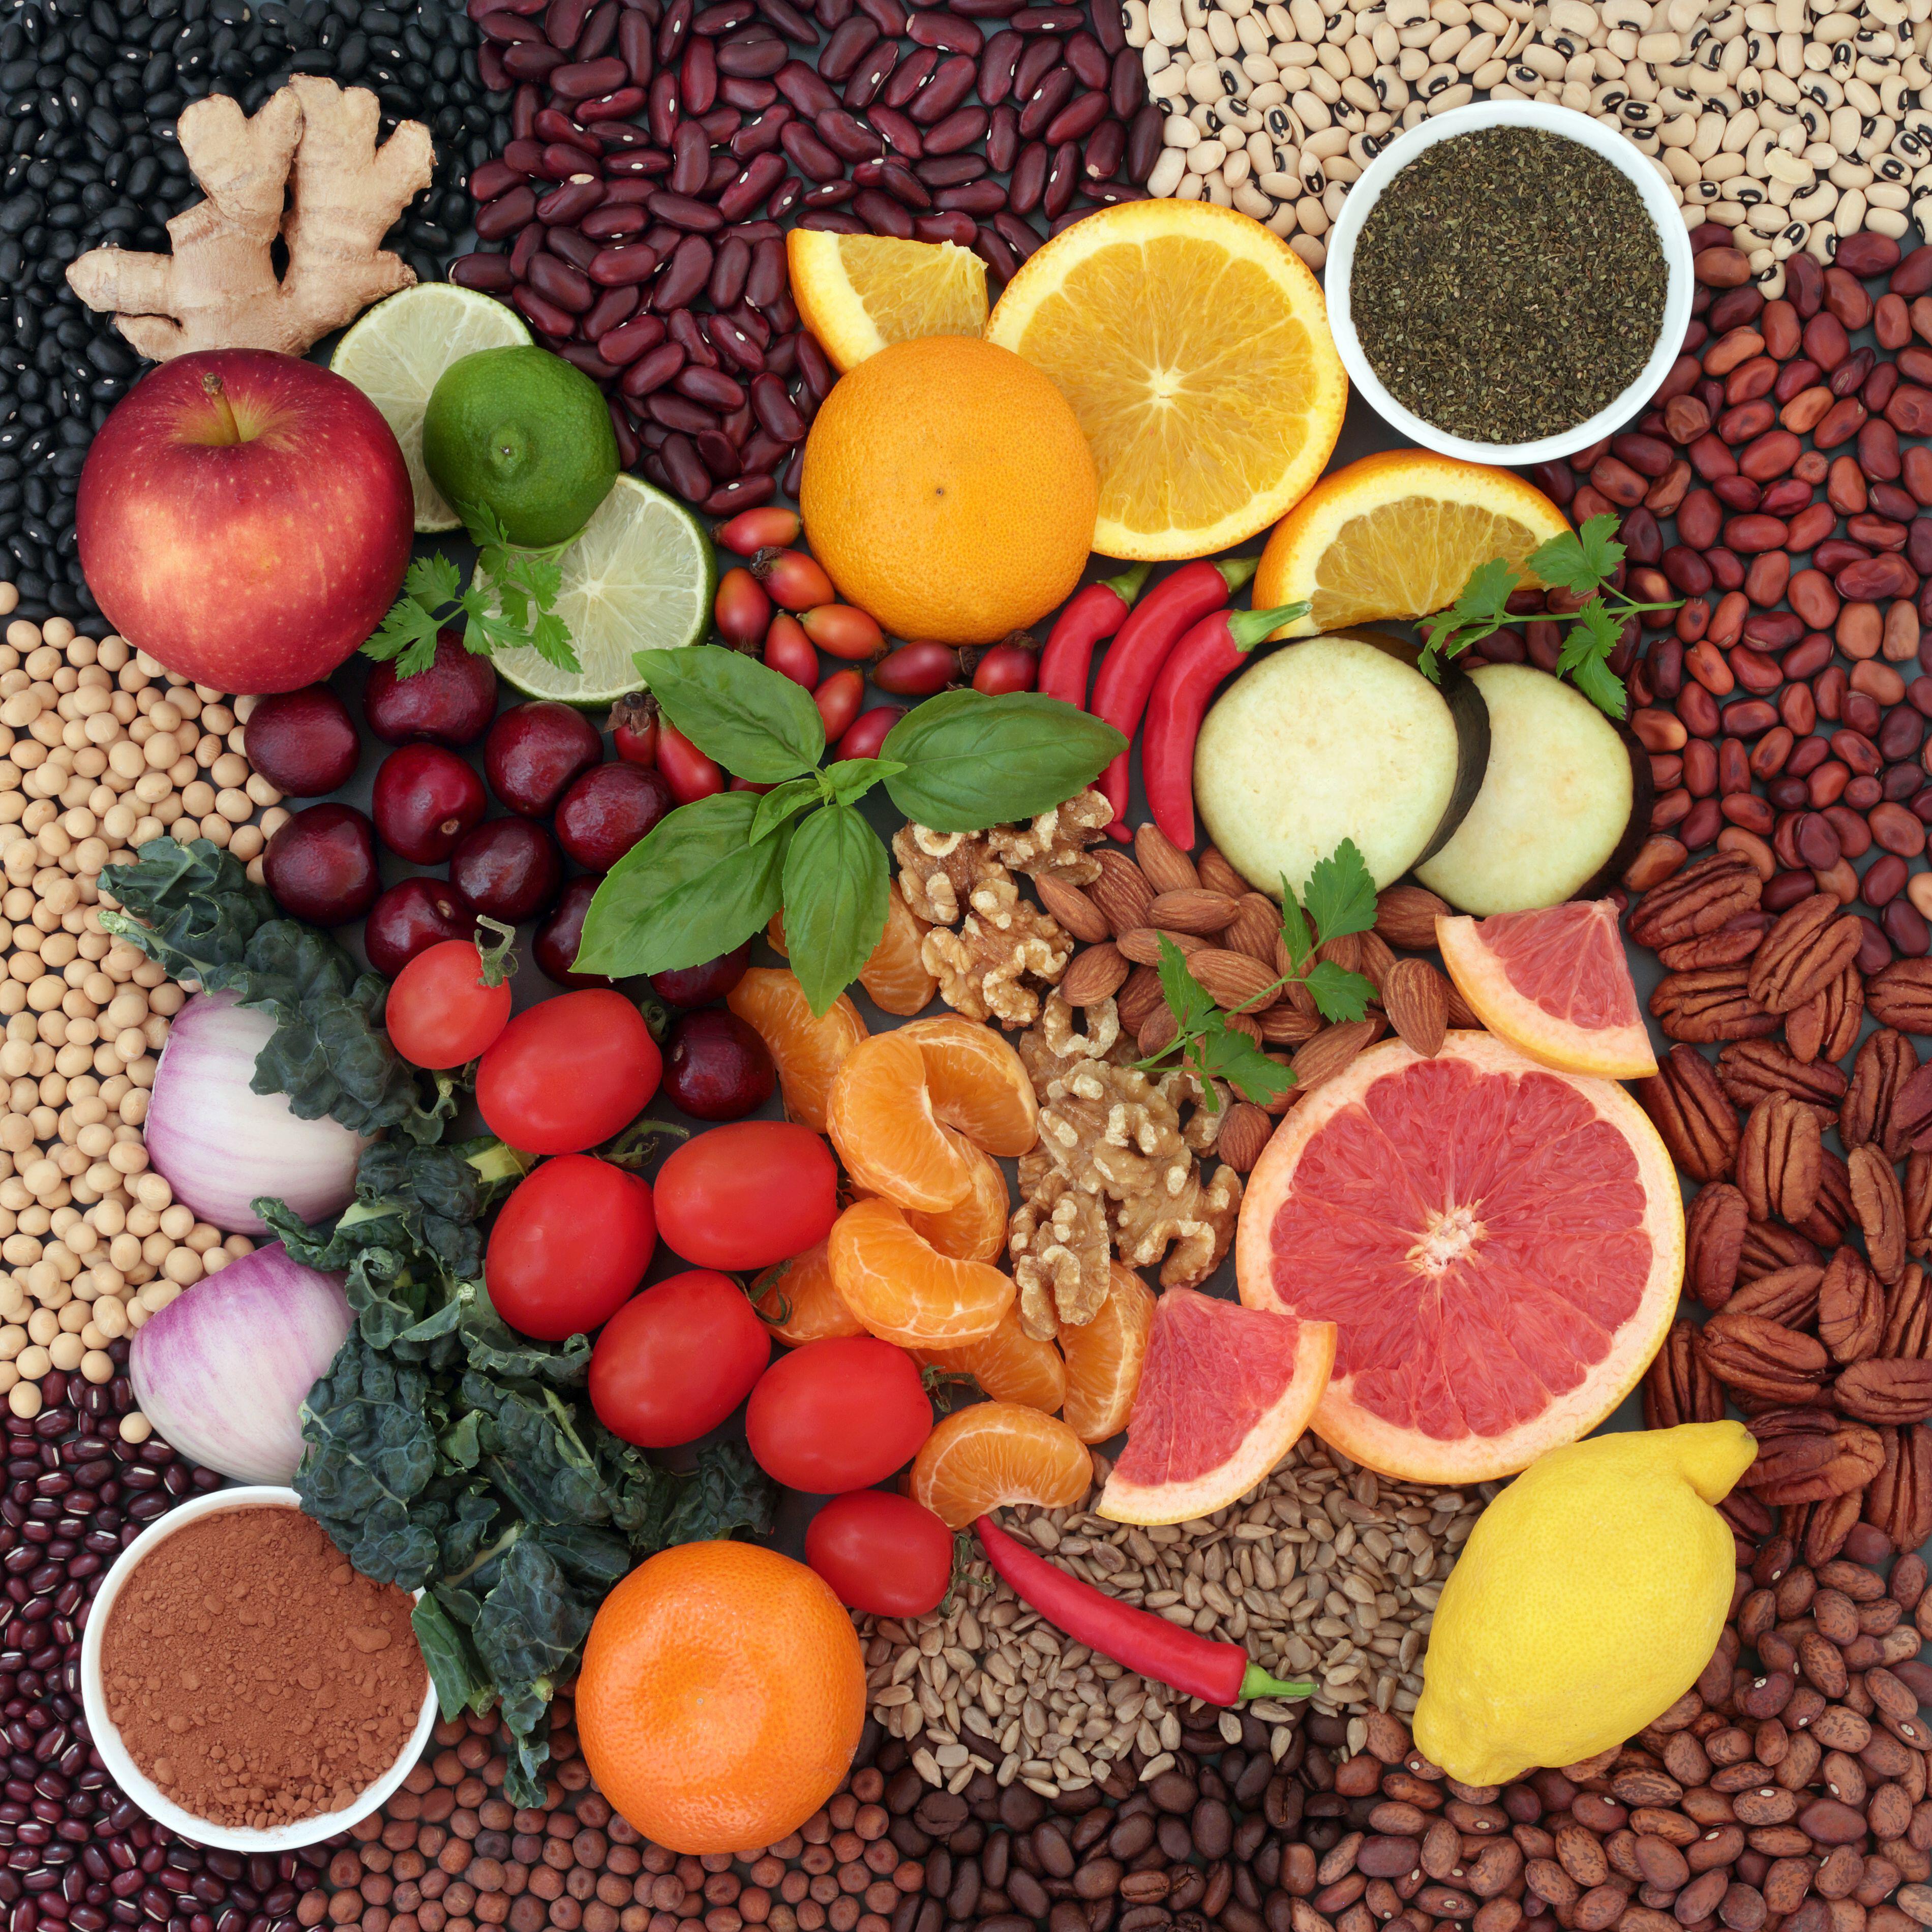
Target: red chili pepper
{"type": "Point", "coordinates": [1218, 644]}
{"type": "Point", "coordinates": [1218, 1673]}
{"type": "Point", "coordinates": [1134, 659]}
{"type": "Point", "coordinates": [1094, 614]}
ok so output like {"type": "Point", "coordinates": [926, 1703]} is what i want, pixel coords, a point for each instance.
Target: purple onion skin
{"type": "Point", "coordinates": [222, 1372]}
{"type": "Point", "coordinates": [220, 1146]}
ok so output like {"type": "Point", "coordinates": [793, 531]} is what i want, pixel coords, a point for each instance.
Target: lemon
{"type": "Point", "coordinates": [1591, 1594]}
{"type": "Point", "coordinates": [856, 293]}
{"type": "Point", "coordinates": [396, 351]}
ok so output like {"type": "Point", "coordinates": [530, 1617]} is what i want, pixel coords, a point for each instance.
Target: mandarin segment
{"type": "Point", "coordinates": [977, 1083]}
{"type": "Point", "coordinates": [1105, 1356]}
{"type": "Point", "coordinates": [999, 1452]}
{"type": "Point", "coordinates": [973, 1229]}
{"type": "Point", "coordinates": [903, 1290]}
{"type": "Point", "coordinates": [808, 1048]}
{"type": "Point", "coordinates": [799, 1302]}
{"type": "Point", "coordinates": [894, 976]}
{"type": "Point", "coordinates": [881, 1119]}
{"type": "Point", "coordinates": [1009, 1365]}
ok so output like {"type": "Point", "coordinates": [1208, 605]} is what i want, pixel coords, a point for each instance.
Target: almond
{"type": "Point", "coordinates": [1416, 998]}
{"type": "Point", "coordinates": [1376, 958]}
{"type": "Point", "coordinates": [1121, 891]}
{"type": "Point", "coordinates": [1168, 869]}
{"type": "Point", "coordinates": [1191, 909]}
{"type": "Point", "coordinates": [1255, 927]}
{"type": "Point", "coordinates": [1073, 908]}
{"type": "Point", "coordinates": [1405, 916]}
{"type": "Point", "coordinates": [1344, 950]}
{"type": "Point", "coordinates": [1158, 1031]}
{"type": "Point", "coordinates": [1218, 876]}
{"type": "Point", "coordinates": [1461, 1015]}
{"type": "Point", "coordinates": [1245, 1130]}
{"type": "Point", "coordinates": [1097, 973]}
{"type": "Point", "coordinates": [1235, 982]}
{"type": "Point", "coordinates": [1286, 1025]}
{"type": "Point", "coordinates": [1139, 997]}
{"type": "Point", "coordinates": [1141, 944]}
{"type": "Point", "coordinates": [1242, 1023]}
{"type": "Point", "coordinates": [1329, 1051]}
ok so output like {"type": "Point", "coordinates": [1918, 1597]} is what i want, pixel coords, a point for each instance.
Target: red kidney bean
{"type": "Point", "coordinates": [998, 61]}
{"type": "Point", "coordinates": [660, 109]}
{"type": "Point", "coordinates": [846, 136]}
{"type": "Point", "coordinates": [898, 131]}
{"type": "Point", "coordinates": [559, 282]}
{"type": "Point", "coordinates": [899, 182]}
{"type": "Point", "coordinates": [963, 127]}
{"type": "Point", "coordinates": [761, 174]}
{"type": "Point", "coordinates": [1028, 182]}
{"type": "Point", "coordinates": [908, 76]}
{"type": "Point", "coordinates": [1045, 101]}
{"type": "Point", "coordinates": [1023, 239]}
{"type": "Point", "coordinates": [691, 160]}
{"type": "Point", "coordinates": [582, 80]}
{"type": "Point", "coordinates": [1077, 119]}
{"type": "Point", "coordinates": [545, 316]}
{"type": "Point", "coordinates": [949, 170]}
{"type": "Point", "coordinates": [1105, 148]}
{"type": "Point", "coordinates": [951, 226]}
{"type": "Point", "coordinates": [809, 155]}
{"type": "Point", "coordinates": [683, 211]}
{"type": "Point", "coordinates": [506, 214]}
{"type": "Point", "coordinates": [729, 271]}
{"type": "Point", "coordinates": [1062, 176]}
{"type": "Point", "coordinates": [882, 214]}
{"type": "Point", "coordinates": [626, 343]}
{"type": "Point", "coordinates": [802, 88]}
{"type": "Point", "coordinates": [952, 81]}
{"type": "Point", "coordinates": [974, 198]}
{"type": "Point", "coordinates": [1033, 66]}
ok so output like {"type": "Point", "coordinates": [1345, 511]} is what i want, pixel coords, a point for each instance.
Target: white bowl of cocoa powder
{"type": "Point", "coordinates": [243, 1685]}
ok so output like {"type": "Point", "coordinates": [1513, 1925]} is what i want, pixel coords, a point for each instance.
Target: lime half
{"type": "Point", "coordinates": [395, 353]}
{"type": "Point", "coordinates": [640, 576]}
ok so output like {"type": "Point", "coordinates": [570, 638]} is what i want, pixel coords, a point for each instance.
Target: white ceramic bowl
{"type": "Point", "coordinates": [1671, 235]}
{"type": "Point", "coordinates": [121, 1767]}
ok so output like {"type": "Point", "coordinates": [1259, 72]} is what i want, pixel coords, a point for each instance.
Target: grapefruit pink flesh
{"type": "Point", "coordinates": [1554, 984]}
{"type": "Point", "coordinates": [1499, 1245]}
{"type": "Point", "coordinates": [1223, 1394]}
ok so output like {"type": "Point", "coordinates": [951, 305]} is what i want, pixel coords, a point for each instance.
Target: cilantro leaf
{"type": "Point", "coordinates": [1341, 893]}
{"type": "Point", "coordinates": [408, 633]}
{"type": "Point", "coordinates": [1295, 933]}
{"type": "Point", "coordinates": [1187, 999]}
{"type": "Point", "coordinates": [1593, 633]}
{"type": "Point", "coordinates": [1482, 606]}
{"type": "Point", "coordinates": [1228, 1054]}
{"type": "Point", "coordinates": [1579, 560]}
{"type": "Point", "coordinates": [1339, 994]}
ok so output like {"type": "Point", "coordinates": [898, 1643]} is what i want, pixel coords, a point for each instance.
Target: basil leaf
{"type": "Point", "coordinates": [782, 802]}
{"type": "Point", "coordinates": [851, 778]}
{"type": "Point", "coordinates": [972, 760]}
{"type": "Point", "coordinates": [836, 886]}
{"type": "Point", "coordinates": [755, 722]}
{"type": "Point", "coordinates": [693, 887]}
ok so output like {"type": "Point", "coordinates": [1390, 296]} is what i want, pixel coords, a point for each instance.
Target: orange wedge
{"type": "Point", "coordinates": [975, 1228]}
{"type": "Point", "coordinates": [1104, 1358]}
{"type": "Point", "coordinates": [1009, 1365]}
{"type": "Point", "coordinates": [999, 1452]}
{"type": "Point", "coordinates": [977, 1083]}
{"type": "Point", "coordinates": [881, 1118]}
{"type": "Point", "coordinates": [806, 1048]}
{"type": "Point", "coordinates": [903, 1290]}
{"type": "Point", "coordinates": [801, 1302]}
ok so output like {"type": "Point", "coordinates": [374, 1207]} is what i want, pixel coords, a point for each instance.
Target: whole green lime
{"type": "Point", "coordinates": [521, 433]}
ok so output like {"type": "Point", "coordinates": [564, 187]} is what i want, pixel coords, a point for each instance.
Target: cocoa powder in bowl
{"type": "Point", "coordinates": [254, 1675]}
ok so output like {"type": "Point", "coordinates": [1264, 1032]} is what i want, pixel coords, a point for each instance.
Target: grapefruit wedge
{"type": "Point", "coordinates": [1223, 1393]}
{"type": "Point", "coordinates": [1554, 984]}
{"type": "Point", "coordinates": [1499, 1244]}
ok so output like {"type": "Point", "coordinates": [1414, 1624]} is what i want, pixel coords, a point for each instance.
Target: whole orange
{"type": "Point", "coordinates": [949, 489]}
{"type": "Point", "coordinates": [721, 1696]}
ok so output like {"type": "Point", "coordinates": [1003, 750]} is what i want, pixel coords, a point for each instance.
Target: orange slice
{"type": "Point", "coordinates": [903, 1290]}
{"type": "Point", "coordinates": [1009, 1365]}
{"type": "Point", "coordinates": [977, 1083]}
{"type": "Point", "coordinates": [1104, 1358]}
{"type": "Point", "coordinates": [973, 1229]}
{"type": "Point", "coordinates": [806, 1048]}
{"type": "Point", "coordinates": [999, 1452]}
{"type": "Point", "coordinates": [800, 1302]}
{"type": "Point", "coordinates": [893, 975]}
{"type": "Point", "coordinates": [858, 292]}
{"type": "Point", "coordinates": [881, 1118]}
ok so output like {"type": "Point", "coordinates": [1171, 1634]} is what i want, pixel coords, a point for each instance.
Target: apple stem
{"type": "Point", "coordinates": [211, 387]}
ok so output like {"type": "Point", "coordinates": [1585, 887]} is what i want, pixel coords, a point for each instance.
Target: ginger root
{"type": "Point", "coordinates": [316, 142]}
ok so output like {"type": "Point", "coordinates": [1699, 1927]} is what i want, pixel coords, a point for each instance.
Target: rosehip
{"type": "Point", "coordinates": [792, 579]}
{"type": "Point", "coordinates": [690, 774]}
{"type": "Point", "coordinates": [917, 670]}
{"type": "Point", "coordinates": [1012, 664]}
{"type": "Point", "coordinates": [633, 729]}
{"type": "Point", "coordinates": [753, 530]}
{"type": "Point", "coordinates": [741, 610]}
{"type": "Point", "coordinates": [788, 649]}
{"type": "Point", "coordinates": [844, 630]}
{"type": "Point", "coordinates": [869, 734]}
{"type": "Point", "coordinates": [838, 699]}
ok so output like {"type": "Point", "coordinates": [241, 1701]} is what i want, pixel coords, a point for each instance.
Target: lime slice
{"type": "Point", "coordinates": [641, 576]}
{"type": "Point", "coordinates": [395, 352]}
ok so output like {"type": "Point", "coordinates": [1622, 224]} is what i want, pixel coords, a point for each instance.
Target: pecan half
{"type": "Point", "coordinates": [1708, 1006]}
{"type": "Point", "coordinates": [1787, 1296]}
{"type": "Point", "coordinates": [1917, 1192]}
{"type": "Point", "coordinates": [1851, 1308]}
{"type": "Point", "coordinates": [1780, 1158]}
{"type": "Point", "coordinates": [1832, 1212]}
{"type": "Point", "coordinates": [1825, 1527]}
{"type": "Point", "coordinates": [1908, 1127]}
{"type": "Point", "coordinates": [1678, 1387]}
{"type": "Point", "coordinates": [1886, 1389]}
{"type": "Point", "coordinates": [1885, 1064]}
{"type": "Point", "coordinates": [1700, 899]}
{"type": "Point", "coordinates": [1901, 995]}
{"type": "Point", "coordinates": [1827, 1027]}
{"type": "Point", "coordinates": [1729, 943]}
{"type": "Point", "coordinates": [1713, 1238]}
{"type": "Point", "coordinates": [1748, 1069]}
{"type": "Point", "coordinates": [1773, 1367]}
{"type": "Point", "coordinates": [1767, 1246]}
{"type": "Point", "coordinates": [1908, 1316]}
{"type": "Point", "coordinates": [1807, 949]}
{"type": "Point", "coordinates": [1898, 1499]}
{"type": "Point", "coordinates": [1809, 1456]}
{"type": "Point", "coordinates": [1880, 1207]}
{"type": "Point", "coordinates": [1689, 1109]}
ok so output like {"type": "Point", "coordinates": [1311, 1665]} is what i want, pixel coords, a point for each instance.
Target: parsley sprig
{"type": "Point", "coordinates": [1581, 562]}
{"type": "Point", "coordinates": [508, 604]}
{"type": "Point", "coordinates": [1340, 899]}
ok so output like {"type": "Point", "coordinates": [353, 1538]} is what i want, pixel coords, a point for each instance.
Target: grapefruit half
{"type": "Point", "coordinates": [1554, 984]}
{"type": "Point", "coordinates": [1223, 1394]}
{"type": "Point", "coordinates": [1499, 1244]}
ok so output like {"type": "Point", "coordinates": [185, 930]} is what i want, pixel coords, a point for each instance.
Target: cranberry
{"type": "Point", "coordinates": [562, 933]}
{"type": "Point", "coordinates": [507, 868]}
{"type": "Point", "coordinates": [321, 866]}
{"type": "Point", "coordinates": [451, 703]}
{"type": "Point", "coordinates": [426, 798]}
{"type": "Point", "coordinates": [716, 1068]}
{"type": "Point", "coordinates": [302, 742]}
{"type": "Point", "coordinates": [413, 916]}
{"type": "Point", "coordinates": [608, 811]}
{"type": "Point", "coordinates": [534, 751]}
{"type": "Point", "coordinates": [699, 986]}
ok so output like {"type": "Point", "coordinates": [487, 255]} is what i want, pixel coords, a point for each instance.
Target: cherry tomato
{"type": "Point", "coordinates": [675, 1362]}
{"type": "Point", "coordinates": [565, 1075]}
{"type": "Point", "coordinates": [690, 774]}
{"type": "Point", "coordinates": [838, 1414]}
{"type": "Point", "coordinates": [569, 1246]}
{"type": "Point", "coordinates": [747, 1195]}
{"type": "Point", "coordinates": [879, 1551]}
{"type": "Point", "coordinates": [440, 1012]}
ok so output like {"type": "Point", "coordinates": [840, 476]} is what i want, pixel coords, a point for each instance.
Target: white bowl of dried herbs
{"type": "Point", "coordinates": [1509, 282]}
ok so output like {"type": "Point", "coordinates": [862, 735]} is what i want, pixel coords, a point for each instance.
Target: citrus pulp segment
{"type": "Point", "coordinates": [394, 353]}
{"type": "Point", "coordinates": [808, 1048]}
{"type": "Point", "coordinates": [999, 1452]}
{"type": "Point", "coordinates": [1554, 984]}
{"type": "Point", "coordinates": [639, 576]}
{"type": "Point", "coordinates": [1195, 348]}
{"type": "Point", "coordinates": [881, 1120]}
{"type": "Point", "coordinates": [1224, 1393]}
{"type": "Point", "coordinates": [1009, 1365]}
{"type": "Point", "coordinates": [799, 1302]}
{"type": "Point", "coordinates": [1104, 1356]}
{"type": "Point", "coordinates": [1396, 535]}
{"type": "Point", "coordinates": [858, 292]}
{"type": "Point", "coordinates": [903, 1290]}
{"type": "Point", "coordinates": [973, 1229]}
{"type": "Point", "coordinates": [1499, 1245]}
{"type": "Point", "coordinates": [978, 1083]}
{"type": "Point", "coordinates": [894, 976]}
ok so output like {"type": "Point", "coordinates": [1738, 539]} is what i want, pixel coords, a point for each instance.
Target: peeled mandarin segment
{"type": "Point", "coordinates": [977, 1083]}
{"type": "Point", "coordinates": [895, 976]}
{"type": "Point", "coordinates": [806, 1048]}
{"type": "Point", "coordinates": [1009, 1365]}
{"type": "Point", "coordinates": [800, 1302]}
{"type": "Point", "coordinates": [880, 1118]}
{"type": "Point", "coordinates": [903, 1290]}
{"type": "Point", "coordinates": [974, 1230]}
{"type": "Point", "coordinates": [1104, 1358]}
{"type": "Point", "coordinates": [999, 1452]}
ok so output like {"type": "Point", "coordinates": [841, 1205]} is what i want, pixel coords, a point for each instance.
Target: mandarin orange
{"type": "Point", "coordinates": [973, 1229]}
{"type": "Point", "coordinates": [1009, 1365]}
{"type": "Point", "coordinates": [806, 1048]}
{"type": "Point", "coordinates": [977, 1083]}
{"type": "Point", "coordinates": [799, 1302]}
{"type": "Point", "coordinates": [999, 1452]}
{"type": "Point", "coordinates": [881, 1118]}
{"type": "Point", "coordinates": [904, 1289]}
{"type": "Point", "coordinates": [1104, 1358]}
{"type": "Point", "coordinates": [894, 976]}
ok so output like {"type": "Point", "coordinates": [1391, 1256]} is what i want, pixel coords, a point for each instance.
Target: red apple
{"type": "Point", "coordinates": [245, 518]}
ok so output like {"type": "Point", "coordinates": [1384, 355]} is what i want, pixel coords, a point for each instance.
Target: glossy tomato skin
{"type": "Point", "coordinates": [439, 1012]}
{"type": "Point", "coordinates": [839, 1415]}
{"type": "Point", "coordinates": [569, 1072]}
{"type": "Point", "coordinates": [747, 1195]}
{"type": "Point", "coordinates": [676, 1360]}
{"type": "Point", "coordinates": [570, 1244]}
{"type": "Point", "coordinates": [880, 1552]}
